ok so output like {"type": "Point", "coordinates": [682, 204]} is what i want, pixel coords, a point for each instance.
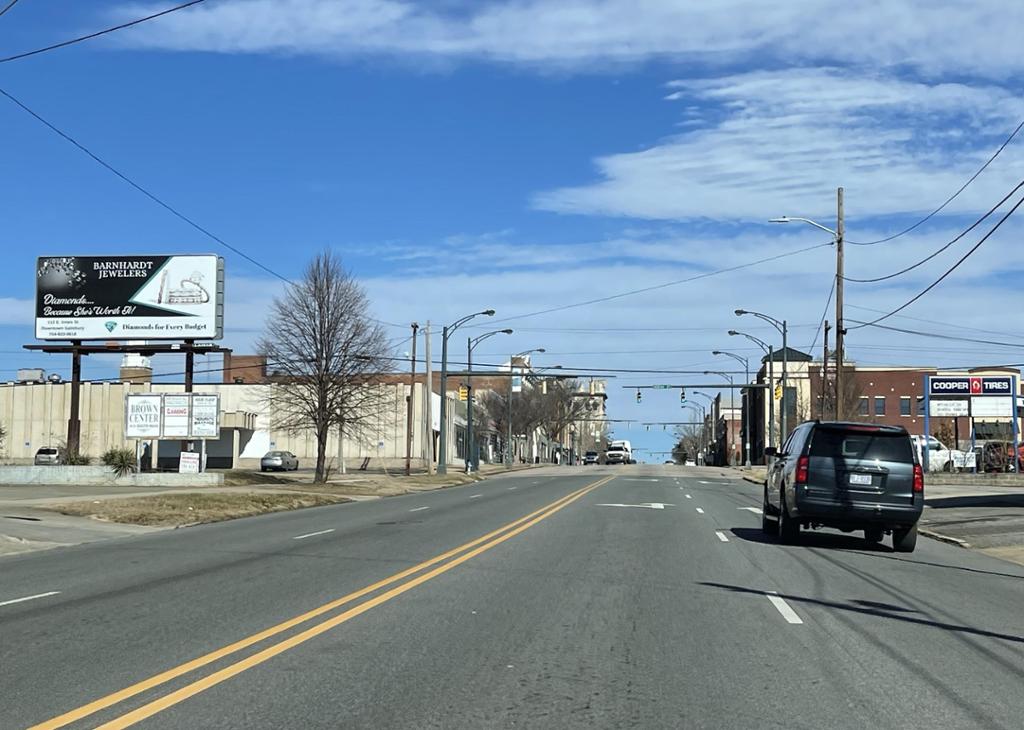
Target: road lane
{"type": "Point", "coordinates": [607, 616]}
{"type": "Point", "coordinates": [136, 606]}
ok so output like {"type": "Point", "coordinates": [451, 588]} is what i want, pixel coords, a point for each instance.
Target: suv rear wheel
{"type": "Point", "coordinates": [904, 539]}
{"type": "Point", "coordinates": [768, 525]}
{"type": "Point", "coordinates": [789, 529]}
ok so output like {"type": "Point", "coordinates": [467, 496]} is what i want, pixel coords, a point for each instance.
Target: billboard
{"type": "Point", "coordinates": [142, 416]}
{"type": "Point", "coordinates": [145, 297]}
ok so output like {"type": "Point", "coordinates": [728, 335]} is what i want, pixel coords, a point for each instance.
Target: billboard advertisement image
{"type": "Point", "coordinates": [145, 297]}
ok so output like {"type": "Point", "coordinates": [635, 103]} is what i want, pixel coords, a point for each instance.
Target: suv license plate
{"type": "Point", "coordinates": [861, 479]}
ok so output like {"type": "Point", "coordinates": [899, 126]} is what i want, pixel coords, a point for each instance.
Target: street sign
{"type": "Point", "coordinates": [661, 387]}
{"type": "Point", "coordinates": [205, 417]}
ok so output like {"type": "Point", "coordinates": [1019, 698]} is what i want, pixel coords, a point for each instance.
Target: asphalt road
{"type": "Point", "coordinates": [594, 611]}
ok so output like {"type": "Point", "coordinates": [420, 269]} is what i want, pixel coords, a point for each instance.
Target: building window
{"type": "Point", "coordinates": [862, 407]}
{"type": "Point", "coordinates": [879, 405]}
{"type": "Point", "coordinates": [920, 405]}
{"type": "Point", "coordinates": [904, 405]}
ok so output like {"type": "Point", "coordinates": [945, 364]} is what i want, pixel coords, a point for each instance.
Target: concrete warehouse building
{"type": "Point", "coordinates": [35, 414]}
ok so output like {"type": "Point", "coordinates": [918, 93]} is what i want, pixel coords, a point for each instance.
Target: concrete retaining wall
{"type": "Point", "coordinates": [103, 475]}
{"type": "Point", "coordinates": [974, 480]}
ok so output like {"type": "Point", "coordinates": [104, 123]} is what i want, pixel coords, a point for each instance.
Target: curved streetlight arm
{"type": "Point", "coordinates": [761, 343]}
{"type": "Point", "coordinates": [777, 324]}
{"type": "Point", "coordinates": [458, 323]}
{"type": "Point", "coordinates": [719, 372]}
{"type": "Point", "coordinates": [477, 340]}
{"type": "Point", "coordinates": [808, 221]}
{"type": "Point", "coordinates": [738, 358]}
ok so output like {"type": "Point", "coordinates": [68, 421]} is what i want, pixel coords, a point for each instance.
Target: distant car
{"type": "Point", "coordinates": [616, 455]}
{"type": "Point", "coordinates": [47, 456]}
{"type": "Point", "coordinates": [279, 461]}
{"type": "Point", "coordinates": [669, 461]}
{"type": "Point", "coordinates": [691, 462]}
{"type": "Point", "coordinates": [849, 476]}
{"type": "Point", "coordinates": [591, 457]}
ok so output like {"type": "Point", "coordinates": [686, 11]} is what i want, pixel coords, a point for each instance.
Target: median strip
{"type": "Point", "coordinates": [464, 552]}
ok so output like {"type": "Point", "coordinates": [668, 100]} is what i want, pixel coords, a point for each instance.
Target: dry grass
{"type": "Point", "coordinates": [170, 510]}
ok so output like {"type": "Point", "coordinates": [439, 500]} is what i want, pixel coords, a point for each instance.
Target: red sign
{"type": "Point", "coordinates": [975, 386]}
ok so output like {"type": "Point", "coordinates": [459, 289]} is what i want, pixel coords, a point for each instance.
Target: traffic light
{"type": "Point", "coordinates": [682, 395]}
{"type": "Point", "coordinates": [639, 396]}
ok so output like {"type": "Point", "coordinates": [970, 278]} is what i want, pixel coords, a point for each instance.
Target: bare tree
{"type": "Point", "coordinates": [325, 352]}
{"type": "Point", "coordinates": [850, 397]}
{"type": "Point", "coordinates": [689, 443]}
{"type": "Point", "coordinates": [562, 405]}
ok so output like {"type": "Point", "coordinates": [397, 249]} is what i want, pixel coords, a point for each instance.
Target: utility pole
{"type": "Point", "coordinates": [840, 326]}
{"type": "Point", "coordinates": [771, 395]}
{"type": "Point", "coordinates": [428, 403]}
{"type": "Point", "coordinates": [508, 416]}
{"type": "Point", "coordinates": [824, 372]}
{"type": "Point", "coordinates": [412, 398]}
{"type": "Point", "coordinates": [469, 405]}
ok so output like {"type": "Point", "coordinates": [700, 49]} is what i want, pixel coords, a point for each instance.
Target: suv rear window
{"type": "Point", "coordinates": [837, 443]}
{"type": "Point", "coordinates": [47, 452]}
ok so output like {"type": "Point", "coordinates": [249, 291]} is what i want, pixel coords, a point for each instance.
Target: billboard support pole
{"type": "Point", "coordinates": [190, 367]}
{"type": "Point", "coordinates": [926, 457]}
{"type": "Point", "coordinates": [1016, 428]}
{"type": "Point", "coordinates": [74, 424]}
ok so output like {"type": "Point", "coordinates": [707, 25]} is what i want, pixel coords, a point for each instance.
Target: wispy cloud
{"type": "Point", "coordinates": [785, 139]}
{"type": "Point", "coordinates": [933, 36]}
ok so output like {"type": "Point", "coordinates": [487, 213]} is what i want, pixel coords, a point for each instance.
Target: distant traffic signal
{"type": "Point", "coordinates": [682, 395]}
{"type": "Point", "coordinates": [639, 396]}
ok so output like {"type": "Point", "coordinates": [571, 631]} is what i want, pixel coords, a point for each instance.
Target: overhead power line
{"type": "Point", "coordinates": [948, 200]}
{"type": "Point", "coordinates": [97, 34]}
{"type": "Point", "coordinates": [948, 271]}
{"type": "Point", "coordinates": [153, 197]}
{"type": "Point", "coordinates": [828, 301]}
{"type": "Point", "coordinates": [936, 335]}
{"type": "Point", "coordinates": [8, 6]}
{"type": "Point", "coordinates": [664, 285]}
{"type": "Point", "coordinates": [935, 322]}
{"type": "Point", "coordinates": [930, 256]}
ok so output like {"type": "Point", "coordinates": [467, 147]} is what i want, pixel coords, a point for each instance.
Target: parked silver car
{"type": "Point", "coordinates": [279, 461]}
{"type": "Point", "coordinates": [47, 456]}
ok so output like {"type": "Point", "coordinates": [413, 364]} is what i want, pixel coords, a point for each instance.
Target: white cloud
{"type": "Point", "coordinates": [933, 36]}
{"type": "Point", "coordinates": [787, 138]}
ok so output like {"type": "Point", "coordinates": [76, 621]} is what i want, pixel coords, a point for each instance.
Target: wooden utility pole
{"type": "Point", "coordinates": [824, 373]}
{"type": "Point", "coordinates": [74, 437]}
{"type": "Point", "coordinates": [840, 326]}
{"type": "Point", "coordinates": [412, 398]}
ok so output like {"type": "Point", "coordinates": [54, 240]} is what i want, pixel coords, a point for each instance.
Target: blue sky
{"type": "Point", "coordinates": [525, 155]}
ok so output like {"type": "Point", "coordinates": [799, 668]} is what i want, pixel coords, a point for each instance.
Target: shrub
{"type": "Point", "coordinates": [120, 459]}
{"type": "Point", "coordinates": [77, 460]}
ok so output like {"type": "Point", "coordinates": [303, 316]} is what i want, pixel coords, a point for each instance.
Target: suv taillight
{"type": "Point", "coordinates": [918, 479]}
{"type": "Point", "coordinates": [801, 469]}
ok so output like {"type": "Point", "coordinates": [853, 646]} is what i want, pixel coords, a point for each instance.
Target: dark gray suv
{"type": "Point", "coordinates": [850, 476]}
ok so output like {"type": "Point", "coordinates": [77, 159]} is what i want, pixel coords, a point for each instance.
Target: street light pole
{"type": "Point", "coordinates": [709, 411]}
{"type": "Point", "coordinates": [729, 443]}
{"type": "Point", "coordinates": [783, 329]}
{"type": "Point", "coordinates": [511, 371]}
{"type": "Point", "coordinates": [746, 393]}
{"type": "Point", "coordinates": [770, 354]}
{"type": "Point", "coordinates": [471, 453]}
{"type": "Point", "coordinates": [442, 451]}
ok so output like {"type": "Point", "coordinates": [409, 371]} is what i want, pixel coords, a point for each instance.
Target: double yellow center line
{"type": "Point", "coordinates": [454, 557]}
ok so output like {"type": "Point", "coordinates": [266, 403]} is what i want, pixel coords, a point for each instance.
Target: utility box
{"type": "Point", "coordinates": [31, 375]}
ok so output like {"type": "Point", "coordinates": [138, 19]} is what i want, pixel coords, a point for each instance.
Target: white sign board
{"type": "Point", "coordinates": [142, 416]}
{"type": "Point", "coordinates": [188, 463]}
{"type": "Point", "coordinates": [517, 383]}
{"type": "Point", "coordinates": [176, 416]}
{"type": "Point", "coordinates": [992, 406]}
{"type": "Point", "coordinates": [139, 297]}
{"type": "Point", "coordinates": [947, 408]}
{"type": "Point", "coordinates": [205, 416]}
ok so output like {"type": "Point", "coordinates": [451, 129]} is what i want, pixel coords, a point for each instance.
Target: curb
{"type": "Point", "coordinates": [752, 480]}
{"type": "Point", "coordinates": [944, 538]}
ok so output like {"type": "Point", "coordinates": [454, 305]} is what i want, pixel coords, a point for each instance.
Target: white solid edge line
{"type": "Point", "coordinates": [700, 511]}
{"type": "Point", "coordinates": [511, 489]}
{"type": "Point", "coordinates": [474, 496]}
{"type": "Point", "coordinates": [312, 534]}
{"type": "Point", "coordinates": [418, 509]}
{"type": "Point", "coordinates": [784, 608]}
{"type": "Point", "coordinates": [28, 598]}
{"type": "Point", "coordinates": [721, 536]}
{"type": "Point", "coordinates": [688, 496]}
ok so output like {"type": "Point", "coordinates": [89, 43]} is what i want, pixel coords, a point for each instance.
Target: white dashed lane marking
{"type": "Point", "coordinates": [721, 536]}
{"type": "Point", "coordinates": [784, 608]}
